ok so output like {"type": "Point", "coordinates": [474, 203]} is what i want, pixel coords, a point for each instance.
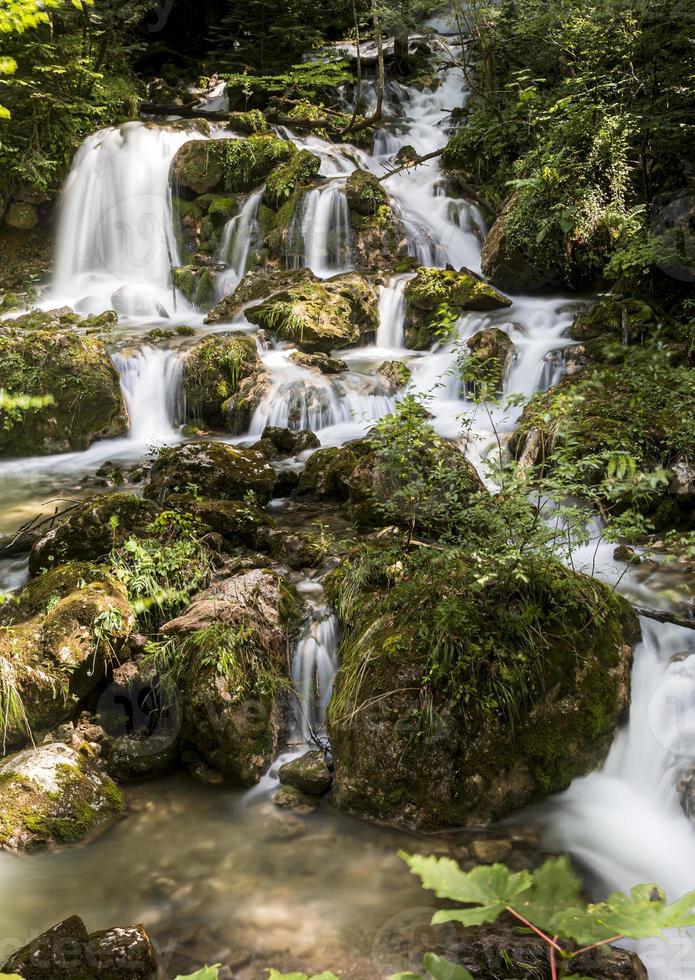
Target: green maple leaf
{"type": "Point", "coordinates": [205, 973]}
{"type": "Point", "coordinates": [438, 968]}
{"type": "Point", "coordinates": [491, 888]}
{"type": "Point", "coordinates": [640, 915]}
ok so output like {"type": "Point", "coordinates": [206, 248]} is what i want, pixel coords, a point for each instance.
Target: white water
{"type": "Point", "coordinates": [314, 663]}
{"type": "Point", "coordinates": [116, 233]}
{"type": "Point", "coordinates": [389, 335]}
{"type": "Point", "coordinates": [320, 232]}
{"type": "Point", "coordinates": [151, 383]}
{"type": "Point", "coordinates": [238, 235]}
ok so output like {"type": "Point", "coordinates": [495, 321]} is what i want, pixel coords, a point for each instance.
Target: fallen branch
{"type": "Point", "coordinates": [187, 111]}
{"type": "Point", "coordinates": [662, 616]}
{"type": "Point", "coordinates": [411, 164]}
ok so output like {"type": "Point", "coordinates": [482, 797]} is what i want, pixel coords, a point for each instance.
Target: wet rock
{"type": "Point", "coordinates": [290, 442]}
{"type": "Point", "coordinates": [58, 639]}
{"type": "Point", "coordinates": [127, 301]}
{"type": "Point", "coordinates": [231, 715]}
{"type": "Point", "coordinates": [396, 375]}
{"type": "Point", "coordinates": [300, 171]}
{"type": "Point", "coordinates": [490, 851]}
{"type": "Point", "coordinates": [232, 165]}
{"type": "Point", "coordinates": [431, 289]}
{"type": "Point", "coordinates": [508, 265]}
{"type": "Point", "coordinates": [489, 360]}
{"type": "Point", "coordinates": [213, 370]}
{"type": "Point", "coordinates": [288, 798]}
{"type": "Point", "coordinates": [216, 470]}
{"type": "Point", "coordinates": [141, 755]}
{"type": "Point", "coordinates": [93, 529]}
{"type": "Point", "coordinates": [327, 473]}
{"type": "Point", "coordinates": [75, 383]}
{"type": "Point", "coordinates": [307, 774]}
{"type": "Point", "coordinates": [259, 284]}
{"type": "Point", "coordinates": [627, 554]}
{"type": "Point", "coordinates": [365, 193]}
{"type": "Point", "coordinates": [68, 952]}
{"type": "Point", "coordinates": [22, 216]}
{"type": "Point", "coordinates": [682, 485]}
{"type": "Point", "coordinates": [238, 521]}
{"type": "Point", "coordinates": [239, 409]}
{"type": "Point", "coordinates": [53, 795]}
{"type": "Point", "coordinates": [319, 362]}
{"type": "Point", "coordinates": [627, 321]}
{"type": "Point", "coordinates": [321, 315]}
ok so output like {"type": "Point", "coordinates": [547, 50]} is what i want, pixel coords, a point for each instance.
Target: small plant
{"type": "Point", "coordinates": [436, 968]}
{"type": "Point", "coordinates": [549, 902]}
{"type": "Point", "coordinates": [204, 973]}
{"type": "Point", "coordinates": [325, 975]}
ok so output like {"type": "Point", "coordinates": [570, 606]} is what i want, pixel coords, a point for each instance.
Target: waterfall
{"type": "Point", "coordinates": [319, 235]}
{"type": "Point", "coordinates": [624, 823]}
{"type": "Point", "coordinates": [392, 313]}
{"type": "Point", "coordinates": [238, 235]}
{"type": "Point", "coordinates": [314, 666]}
{"type": "Point", "coordinates": [116, 242]}
{"type": "Point", "coordinates": [151, 384]}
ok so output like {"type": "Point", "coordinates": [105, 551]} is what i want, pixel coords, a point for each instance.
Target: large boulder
{"type": "Point", "coordinates": [93, 529]}
{"type": "Point", "coordinates": [235, 637]}
{"type": "Point", "coordinates": [232, 165]}
{"type": "Point", "coordinates": [433, 289]}
{"type": "Point", "coordinates": [53, 795]}
{"type": "Point", "coordinates": [59, 637]}
{"type": "Point", "coordinates": [321, 316]}
{"type": "Point", "coordinates": [461, 700]}
{"type": "Point", "coordinates": [215, 469]}
{"type": "Point", "coordinates": [379, 237]}
{"type": "Point", "coordinates": [68, 952]}
{"type": "Point", "coordinates": [213, 369]}
{"type": "Point", "coordinates": [299, 171]}
{"type": "Point", "coordinates": [239, 522]}
{"type": "Point", "coordinates": [510, 264]}
{"type": "Point", "coordinates": [258, 284]}
{"type": "Point", "coordinates": [491, 352]}
{"type": "Point", "coordinates": [327, 473]}
{"type": "Point", "coordinates": [74, 384]}
{"type": "Point", "coordinates": [308, 773]}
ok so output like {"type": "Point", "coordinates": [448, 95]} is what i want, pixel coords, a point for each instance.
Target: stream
{"type": "Point", "coordinates": [213, 866]}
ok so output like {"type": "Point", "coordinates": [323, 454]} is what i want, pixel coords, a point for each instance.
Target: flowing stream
{"type": "Point", "coordinates": [116, 246]}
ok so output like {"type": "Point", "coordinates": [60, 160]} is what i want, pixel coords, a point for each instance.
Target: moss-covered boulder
{"type": "Point", "coordinates": [238, 410]}
{"type": "Point", "coordinates": [231, 165]}
{"type": "Point", "coordinates": [53, 795]}
{"type": "Point", "coordinates": [91, 530]}
{"type": "Point", "coordinates": [459, 702]}
{"type": "Point", "coordinates": [234, 639]}
{"type": "Point", "coordinates": [431, 289]}
{"type": "Point", "coordinates": [319, 362]}
{"type": "Point", "coordinates": [67, 388]}
{"type": "Point", "coordinates": [396, 374]}
{"type": "Point", "coordinates": [251, 122]}
{"type": "Point", "coordinates": [213, 469]}
{"type": "Point", "coordinates": [284, 180]}
{"type": "Point", "coordinates": [365, 193]}
{"type": "Point", "coordinates": [509, 261]}
{"type": "Point", "coordinates": [321, 316]}
{"type": "Point", "coordinates": [58, 638]}
{"type": "Point", "coordinates": [308, 773]}
{"type": "Point", "coordinates": [197, 283]}
{"type": "Point", "coordinates": [327, 473]}
{"type": "Point", "coordinates": [70, 953]}
{"type": "Point", "coordinates": [213, 370]}
{"type": "Point", "coordinates": [637, 415]}
{"type": "Point", "coordinates": [258, 284]}
{"type": "Point", "coordinates": [490, 356]}
{"type": "Point", "coordinates": [239, 522]}
{"type": "Point", "coordinates": [280, 443]}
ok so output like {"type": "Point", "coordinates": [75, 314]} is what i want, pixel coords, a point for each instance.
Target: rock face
{"type": "Point", "coordinates": [308, 774]}
{"type": "Point", "coordinates": [216, 470]}
{"type": "Point", "coordinates": [432, 289]}
{"type": "Point", "coordinates": [213, 371]}
{"type": "Point", "coordinates": [53, 795]}
{"type": "Point", "coordinates": [231, 165]}
{"type": "Point", "coordinates": [68, 952]}
{"type": "Point", "coordinates": [231, 713]}
{"type": "Point", "coordinates": [75, 380]}
{"type": "Point", "coordinates": [93, 530]}
{"type": "Point", "coordinates": [321, 316]}
{"type": "Point", "coordinates": [506, 263]}
{"type": "Point", "coordinates": [469, 765]}
{"type": "Point", "coordinates": [59, 636]}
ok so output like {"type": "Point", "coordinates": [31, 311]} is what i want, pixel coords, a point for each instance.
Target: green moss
{"type": "Point", "coordinates": [229, 165]}
{"type": "Point", "coordinates": [365, 194]}
{"type": "Point", "coordinates": [213, 370]}
{"type": "Point", "coordinates": [300, 170]}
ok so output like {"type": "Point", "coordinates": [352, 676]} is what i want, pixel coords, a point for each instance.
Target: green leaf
{"type": "Point", "coordinates": [205, 973]}
{"type": "Point", "coordinates": [443, 969]}
{"type": "Point", "coordinates": [326, 975]}
{"type": "Point", "coordinates": [492, 888]}
{"type": "Point", "coordinates": [555, 886]}
{"type": "Point", "coordinates": [640, 915]}
{"type": "Point", "coordinates": [10, 976]}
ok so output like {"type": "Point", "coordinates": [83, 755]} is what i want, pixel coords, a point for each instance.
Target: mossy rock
{"type": "Point", "coordinates": [431, 289]}
{"type": "Point", "coordinates": [420, 733]}
{"type": "Point", "coordinates": [93, 529]}
{"type": "Point", "coordinates": [321, 316]}
{"type": "Point", "coordinates": [250, 122]}
{"type": "Point", "coordinates": [237, 634]}
{"type": "Point", "coordinates": [237, 521]}
{"type": "Point", "coordinates": [319, 362]}
{"type": "Point", "coordinates": [22, 216]}
{"type": "Point", "coordinates": [379, 239]}
{"type": "Point", "coordinates": [258, 284]}
{"type": "Point", "coordinates": [308, 774]}
{"type": "Point", "coordinates": [239, 409]}
{"type": "Point", "coordinates": [284, 180]}
{"type": "Point", "coordinates": [510, 262]}
{"type": "Point", "coordinates": [327, 473]}
{"type": "Point", "coordinates": [213, 470]}
{"type": "Point", "coordinates": [395, 373]}
{"type": "Point", "coordinates": [212, 372]}
{"type": "Point", "coordinates": [288, 442]}
{"type": "Point", "coordinates": [197, 284]}
{"type": "Point", "coordinates": [53, 795]}
{"type": "Point", "coordinates": [77, 385]}
{"type": "Point", "coordinates": [491, 352]}
{"type": "Point", "coordinates": [365, 193]}
{"type": "Point", "coordinates": [230, 165]}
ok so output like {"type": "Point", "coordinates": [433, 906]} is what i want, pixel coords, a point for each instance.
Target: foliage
{"type": "Point", "coordinates": [580, 108]}
{"type": "Point", "coordinates": [324, 975]}
{"type": "Point", "coordinates": [205, 973]}
{"type": "Point", "coordinates": [436, 968]}
{"type": "Point", "coordinates": [161, 571]}
{"type": "Point", "coordinates": [550, 901]}
{"type": "Point", "coordinates": [298, 82]}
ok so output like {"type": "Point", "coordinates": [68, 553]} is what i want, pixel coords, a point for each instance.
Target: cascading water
{"type": "Point", "coordinates": [319, 236]}
{"type": "Point", "coordinates": [314, 665]}
{"type": "Point", "coordinates": [238, 236]}
{"type": "Point", "coordinates": [116, 242]}
{"type": "Point", "coordinates": [151, 383]}
{"type": "Point", "coordinates": [390, 332]}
